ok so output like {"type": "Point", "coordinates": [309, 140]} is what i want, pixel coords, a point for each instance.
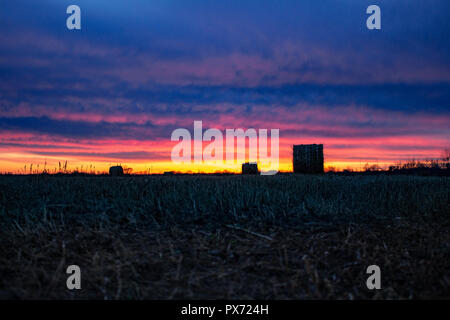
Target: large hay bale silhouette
{"type": "Point", "coordinates": [116, 171]}
{"type": "Point", "coordinates": [250, 168]}
{"type": "Point", "coordinates": [308, 158]}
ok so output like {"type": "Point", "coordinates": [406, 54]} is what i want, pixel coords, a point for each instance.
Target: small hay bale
{"type": "Point", "coordinates": [116, 171]}
{"type": "Point", "coordinates": [250, 168]}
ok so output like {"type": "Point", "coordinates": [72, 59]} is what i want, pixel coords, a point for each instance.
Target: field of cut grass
{"type": "Point", "coordinates": [229, 237]}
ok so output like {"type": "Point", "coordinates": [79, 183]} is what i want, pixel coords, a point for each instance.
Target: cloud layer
{"type": "Point", "coordinates": [114, 91]}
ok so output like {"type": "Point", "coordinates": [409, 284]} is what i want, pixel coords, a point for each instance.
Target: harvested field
{"type": "Point", "coordinates": [232, 237]}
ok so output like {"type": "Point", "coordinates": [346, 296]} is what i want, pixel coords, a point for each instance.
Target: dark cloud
{"type": "Point", "coordinates": [40, 146]}
{"type": "Point", "coordinates": [181, 100]}
{"type": "Point", "coordinates": [83, 129]}
{"type": "Point", "coordinates": [139, 155]}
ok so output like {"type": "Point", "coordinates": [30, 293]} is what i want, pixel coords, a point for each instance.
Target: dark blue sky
{"type": "Point", "coordinates": [138, 69]}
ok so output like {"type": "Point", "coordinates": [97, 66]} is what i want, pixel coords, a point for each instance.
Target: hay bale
{"type": "Point", "coordinates": [308, 158]}
{"type": "Point", "coordinates": [116, 171]}
{"type": "Point", "coordinates": [250, 168]}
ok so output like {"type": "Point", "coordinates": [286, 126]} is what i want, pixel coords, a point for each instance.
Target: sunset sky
{"type": "Point", "coordinates": [113, 92]}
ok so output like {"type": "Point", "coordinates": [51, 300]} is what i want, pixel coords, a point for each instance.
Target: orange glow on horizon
{"type": "Point", "coordinates": [10, 164]}
{"type": "Point", "coordinates": [18, 153]}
